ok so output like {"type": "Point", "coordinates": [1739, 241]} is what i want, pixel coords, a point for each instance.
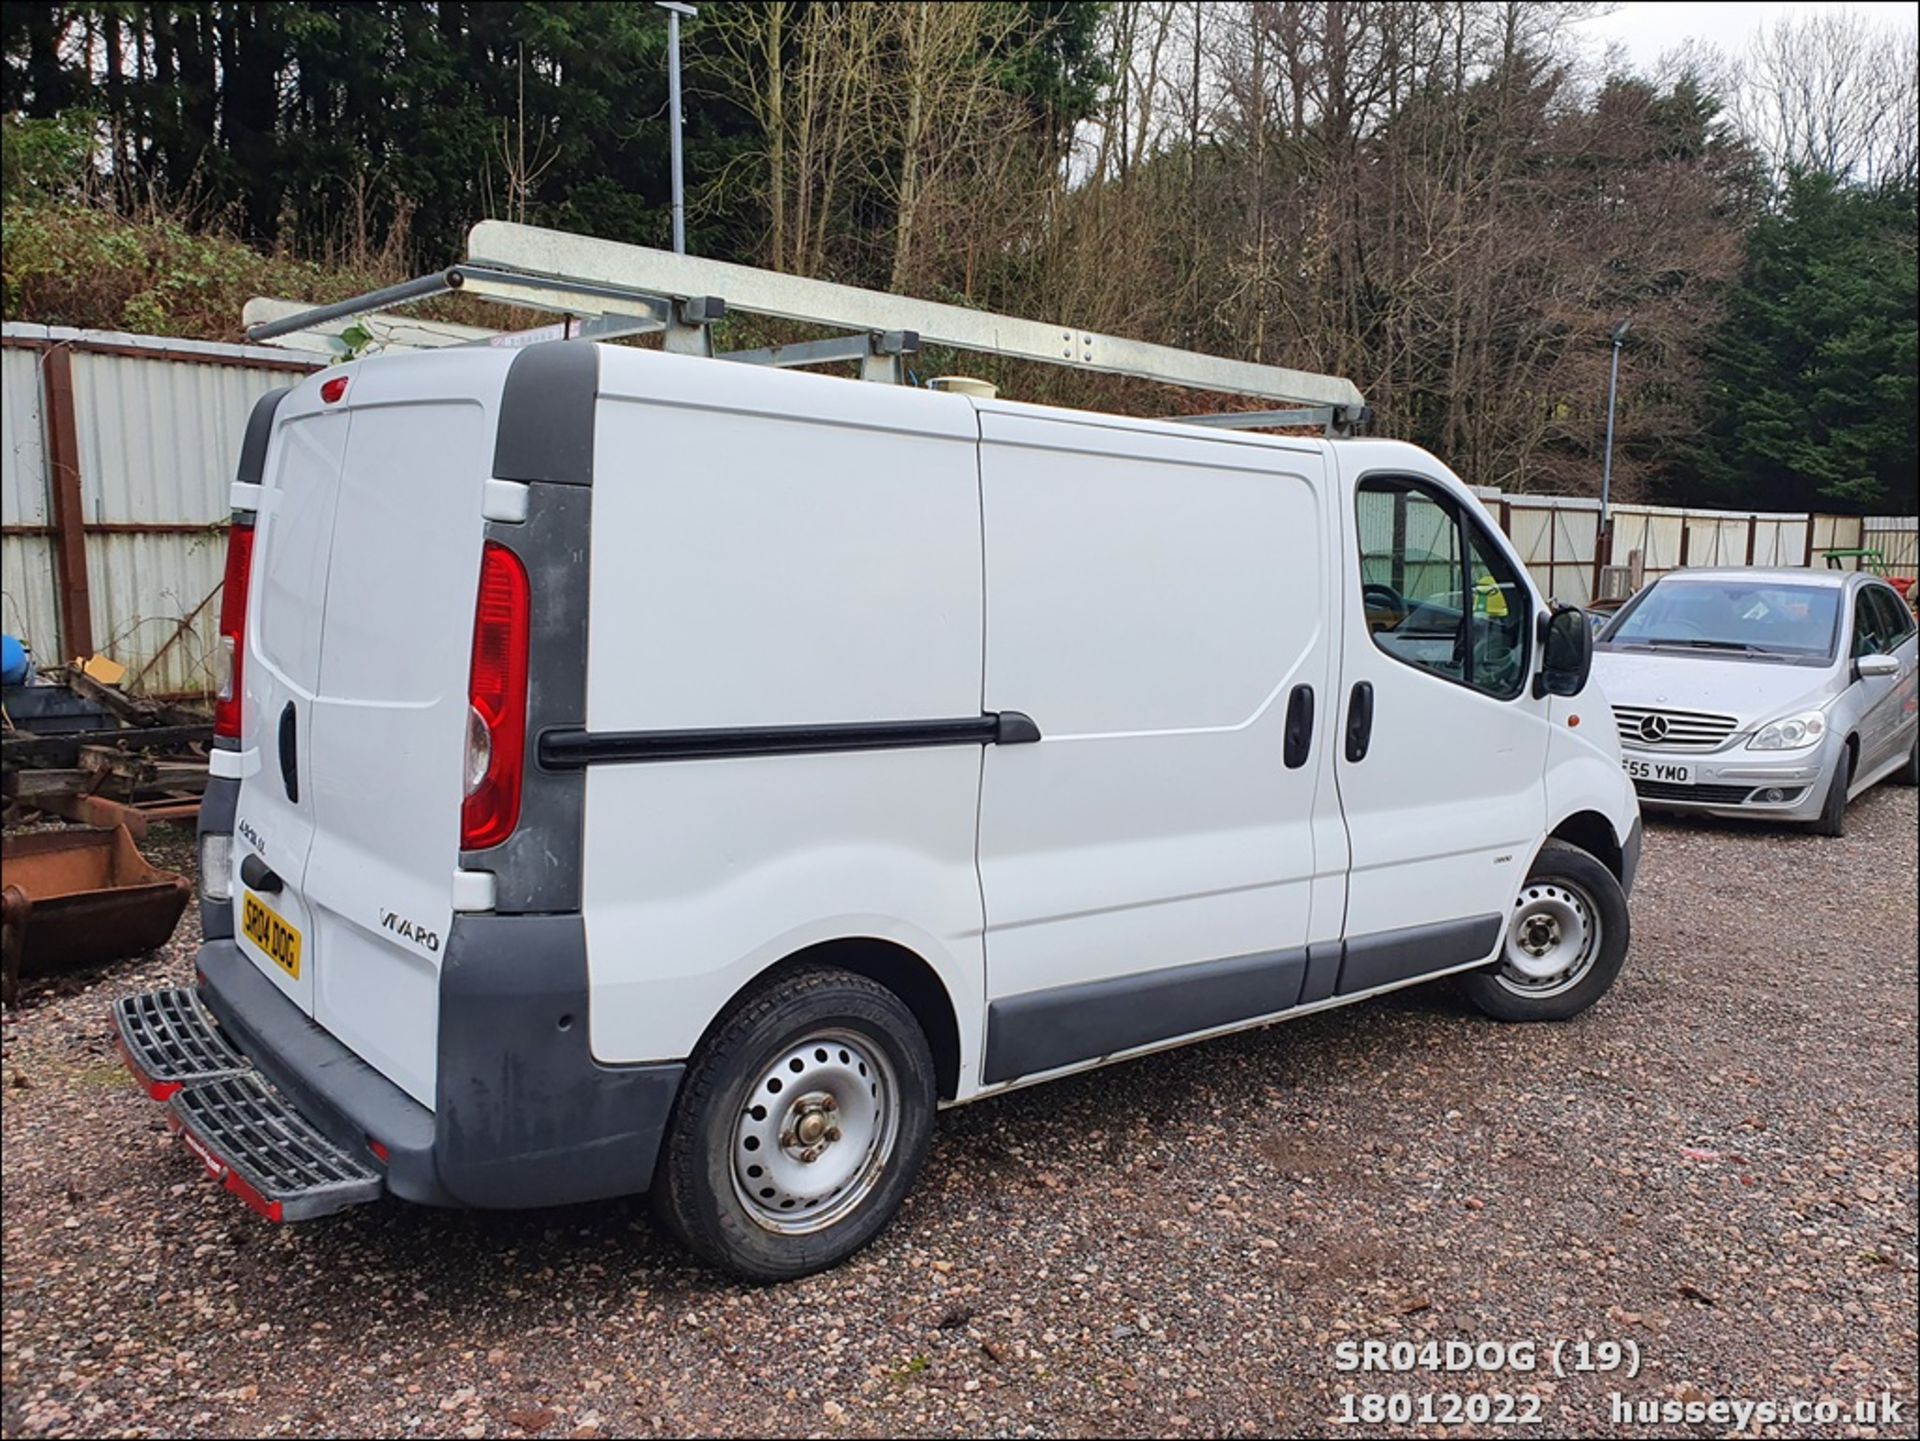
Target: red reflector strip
{"type": "Point", "coordinates": [222, 1171]}
{"type": "Point", "coordinates": [379, 1151]}
{"type": "Point", "coordinates": [157, 1090]}
{"type": "Point", "coordinates": [258, 1202]}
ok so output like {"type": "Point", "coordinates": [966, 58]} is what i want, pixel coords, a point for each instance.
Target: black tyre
{"type": "Point", "coordinates": [1565, 943]}
{"type": "Point", "coordinates": [1909, 774]}
{"type": "Point", "coordinates": [1833, 815]}
{"type": "Point", "coordinates": [803, 1121]}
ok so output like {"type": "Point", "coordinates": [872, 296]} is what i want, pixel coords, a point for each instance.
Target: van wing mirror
{"type": "Point", "coordinates": [1567, 646]}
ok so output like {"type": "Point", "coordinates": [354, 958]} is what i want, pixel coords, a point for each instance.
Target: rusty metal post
{"type": "Point", "coordinates": [1753, 532]}
{"type": "Point", "coordinates": [69, 524]}
{"type": "Point", "coordinates": [1602, 552]}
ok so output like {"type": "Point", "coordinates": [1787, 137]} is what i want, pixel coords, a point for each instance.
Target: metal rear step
{"type": "Point", "coordinates": [169, 1040]}
{"type": "Point", "coordinates": [248, 1136]}
{"type": "Point", "coordinates": [266, 1153]}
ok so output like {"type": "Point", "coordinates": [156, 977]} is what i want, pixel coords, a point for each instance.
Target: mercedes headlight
{"type": "Point", "coordinates": [1790, 733]}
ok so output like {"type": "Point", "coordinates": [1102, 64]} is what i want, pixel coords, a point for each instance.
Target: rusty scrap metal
{"type": "Point", "coordinates": [77, 898]}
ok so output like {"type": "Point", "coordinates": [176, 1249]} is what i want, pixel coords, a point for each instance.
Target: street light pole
{"type": "Point", "coordinates": [1603, 542]}
{"type": "Point", "coordinates": [1613, 385]}
{"type": "Point", "coordinates": [674, 11]}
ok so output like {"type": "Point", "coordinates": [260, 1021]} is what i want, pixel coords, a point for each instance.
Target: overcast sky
{"type": "Point", "coordinates": [1650, 28]}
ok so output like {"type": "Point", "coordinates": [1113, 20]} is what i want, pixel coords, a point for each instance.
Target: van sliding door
{"type": "Point", "coordinates": [1157, 864]}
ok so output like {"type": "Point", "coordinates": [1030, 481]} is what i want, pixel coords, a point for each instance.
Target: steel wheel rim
{"type": "Point", "coordinates": [1552, 941]}
{"type": "Point", "coordinates": [815, 1133]}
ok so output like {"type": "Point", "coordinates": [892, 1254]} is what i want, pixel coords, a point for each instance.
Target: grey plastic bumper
{"type": "Point", "coordinates": [524, 1115]}
{"type": "Point", "coordinates": [1630, 855]}
{"type": "Point", "coordinates": [343, 1097]}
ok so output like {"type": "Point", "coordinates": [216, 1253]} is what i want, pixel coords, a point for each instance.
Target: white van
{"type": "Point", "coordinates": [643, 773]}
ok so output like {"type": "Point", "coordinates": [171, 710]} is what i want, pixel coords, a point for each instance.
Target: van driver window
{"type": "Point", "coordinates": [1438, 595]}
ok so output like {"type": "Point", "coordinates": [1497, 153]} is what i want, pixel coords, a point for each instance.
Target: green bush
{"type": "Point", "coordinates": [47, 158]}
{"type": "Point", "coordinates": [76, 263]}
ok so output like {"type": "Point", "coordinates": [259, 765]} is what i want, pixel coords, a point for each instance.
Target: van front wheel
{"type": "Point", "coordinates": [802, 1123]}
{"type": "Point", "coordinates": [1565, 943]}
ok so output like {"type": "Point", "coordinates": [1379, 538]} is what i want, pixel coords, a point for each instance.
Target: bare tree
{"type": "Point", "coordinates": [1831, 92]}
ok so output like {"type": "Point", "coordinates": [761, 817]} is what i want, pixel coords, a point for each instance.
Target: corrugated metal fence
{"type": "Point", "coordinates": [119, 449]}
{"type": "Point", "coordinates": [1897, 537]}
{"type": "Point", "coordinates": [118, 454]}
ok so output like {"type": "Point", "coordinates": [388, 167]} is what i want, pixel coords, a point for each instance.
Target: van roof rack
{"type": "Point", "coordinates": [605, 288]}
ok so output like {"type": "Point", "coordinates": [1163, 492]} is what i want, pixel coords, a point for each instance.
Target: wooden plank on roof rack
{"type": "Point", "coordinates": [557, 254]}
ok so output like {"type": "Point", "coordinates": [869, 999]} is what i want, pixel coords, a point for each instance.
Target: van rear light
{"type": "Point", "coordinates": [497, 696]}
{"type": "Point", "coordinates": [231, 650]}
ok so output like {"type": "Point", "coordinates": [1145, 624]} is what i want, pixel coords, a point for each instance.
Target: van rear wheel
{"type": "Point", "coordinates": [803, 1121]}
{"type": "Point", "coordinates": [1565, 943]}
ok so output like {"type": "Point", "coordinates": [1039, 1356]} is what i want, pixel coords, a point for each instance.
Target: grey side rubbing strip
{"type": "Point", "coordinates": [546, 414]}
{"type": "Point", "coordinates": [574, 748]}
{"type": "Point", "coordinates": [1323, 970]}
{"type": "Point", "coordinates": [1042, 1030]}
{"type": "Point", "coordinates": [1389, 956]}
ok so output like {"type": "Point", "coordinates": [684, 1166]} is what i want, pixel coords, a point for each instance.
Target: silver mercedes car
{"type": "Point", "coordinates": [1776, 693]}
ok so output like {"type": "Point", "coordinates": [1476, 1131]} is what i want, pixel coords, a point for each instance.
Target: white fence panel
{"type": "Point", "coordinates": [1780, 540]}
{"type": "Point", "coordinates": [1897, 537]}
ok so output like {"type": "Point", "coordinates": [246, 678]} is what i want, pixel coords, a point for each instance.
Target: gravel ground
{"type": "Point", "coordinates": [1717, 1164]}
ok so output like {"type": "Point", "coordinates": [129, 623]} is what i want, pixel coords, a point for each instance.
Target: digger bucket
{"type": "Point", "coordinates": [78, 898]}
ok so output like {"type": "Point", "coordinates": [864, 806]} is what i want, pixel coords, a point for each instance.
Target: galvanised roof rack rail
{"type": "Point", "coordinates": [605, 288]}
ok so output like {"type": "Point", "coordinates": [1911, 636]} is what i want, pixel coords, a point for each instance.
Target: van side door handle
{"type": "Point", "coordinates": [289, 754]}
{"type": "Point", "coordinates": [1359, 720]}
{"type": "Point", "coordinates": [1299, 726]}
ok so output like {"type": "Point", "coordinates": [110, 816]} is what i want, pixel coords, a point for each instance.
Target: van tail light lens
{"type": "Point", "coordinates": [232, 649]}
{"type": "Point", "coordinates": [497, 697]}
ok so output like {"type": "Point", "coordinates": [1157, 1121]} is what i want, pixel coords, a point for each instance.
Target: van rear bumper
{"type": "Point", "coordinates": [524, 1116]}
{"type": "Point", "coordinates": [344, 1098]}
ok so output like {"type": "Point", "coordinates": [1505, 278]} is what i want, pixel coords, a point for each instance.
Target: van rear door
{"type": "Point", "coordinates": [382, 734]}
{"type": "Point", "coordinates": [274, 818]}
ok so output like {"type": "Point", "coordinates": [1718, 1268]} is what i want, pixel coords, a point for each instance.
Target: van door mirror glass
{"type": "Point", "coordinates": [1567, 654]}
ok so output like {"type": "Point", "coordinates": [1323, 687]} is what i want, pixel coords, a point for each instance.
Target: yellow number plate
{"type": "Point", "coordinates": [266, 930]}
